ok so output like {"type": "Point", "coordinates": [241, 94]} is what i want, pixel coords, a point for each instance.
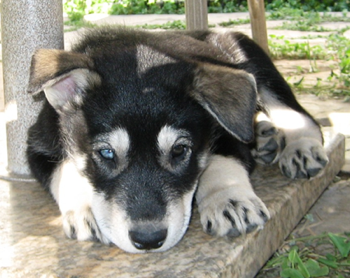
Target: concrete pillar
{"type": "Point", "coordinates": [27, 25]}
{"type": "Point", "coordinates": [258, 23]}
{"type": "Point", "coordinates": [196, 14]}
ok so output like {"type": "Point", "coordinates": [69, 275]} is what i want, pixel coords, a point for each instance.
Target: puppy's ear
{"type": "Point", "coordinates": [229, 95]}
{"type": "Point", "coordinates": [63, 76]}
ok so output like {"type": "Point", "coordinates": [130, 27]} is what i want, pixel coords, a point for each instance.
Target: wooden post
{"type": "Point", "coordinates": [196, 14]}
{"type": "Point", "coordinates": [258, 23]}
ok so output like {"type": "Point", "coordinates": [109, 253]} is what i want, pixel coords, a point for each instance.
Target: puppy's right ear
{"type": "Point", "coordinates": [63, 76]}
{"type": "Point", "coordinates": [229, 95]}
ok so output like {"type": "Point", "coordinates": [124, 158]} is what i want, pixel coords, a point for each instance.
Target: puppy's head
{"type": "Point", "coordinates": [139, 124]}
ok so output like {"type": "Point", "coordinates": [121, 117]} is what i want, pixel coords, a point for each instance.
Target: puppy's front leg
{"type": "Point", "coordinates": [226, 200]}
{"type": "Point", "coordinates": [293, 139]}
{"type": "Point", "coordinates": [73, 194]}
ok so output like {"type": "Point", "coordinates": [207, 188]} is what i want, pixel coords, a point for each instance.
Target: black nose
{"type": "Point", "coordinates": [148, 240]}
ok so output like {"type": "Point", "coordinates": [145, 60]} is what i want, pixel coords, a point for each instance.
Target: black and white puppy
{"type": "Point", "coordinates": [135, 124]}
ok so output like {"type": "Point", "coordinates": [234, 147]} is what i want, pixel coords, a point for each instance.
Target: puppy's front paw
{"type": "Point", "coordinates": [225, 213]}
{"type": "Point", "coordinates": [81, 225]}
{"type": "Point", "coordinates": [304, 158]}
{"type": "Point", "coordinates": [269, 143]}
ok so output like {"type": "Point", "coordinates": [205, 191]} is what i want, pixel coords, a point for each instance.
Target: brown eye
{"type": "Point", "coordinates": [179, 151]}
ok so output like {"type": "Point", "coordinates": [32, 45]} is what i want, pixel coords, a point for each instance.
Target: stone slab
{"type": "Point", "coordinates": [32, 243]}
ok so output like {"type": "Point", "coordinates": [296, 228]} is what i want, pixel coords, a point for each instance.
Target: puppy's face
{"type": "Point", "coordinates": [144, 162]}
{"type": "Point", "coordinates": [138, 125]}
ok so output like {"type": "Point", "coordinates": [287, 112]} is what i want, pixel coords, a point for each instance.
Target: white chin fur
{"type": "Point", "coordinates": [114, 224]}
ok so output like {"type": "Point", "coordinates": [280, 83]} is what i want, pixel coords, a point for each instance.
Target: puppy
{"type": "Point", "coordinates": [135, 125]}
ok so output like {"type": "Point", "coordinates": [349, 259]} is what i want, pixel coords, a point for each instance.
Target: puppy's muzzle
{"type": "Point", "coordinates": [148, 237]}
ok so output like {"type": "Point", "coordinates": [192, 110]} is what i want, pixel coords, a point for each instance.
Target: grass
{"type": "Point", "coordinates": [234, 22]}
{"type": "Point", "coordinates": [298, 14]}
{"type": "Point", "coordinates": [73, 25]}
{"type": "Point", "coordinates": [282, 48]}
{"type": "Point", "coordinates": [174, 25]}
{"type": "Point", "coordinates": [302, 25]}
{"type": "Point", "coordinates": [170, 25]}
{"type": "Point", "coordinates": [337, 46]}
{"type": "Point", "coordinates": [340, 48]}
{"type": "Point", "coordinates": [299, 20]}
{"type": "Point", "coordinates": [309, 22]}
{"type": "Point", "coordinates": [325, 255]}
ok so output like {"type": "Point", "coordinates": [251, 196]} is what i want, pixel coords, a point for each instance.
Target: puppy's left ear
{"type": "Point", "coordinates": [229, 95]}
{"type": "Point", "coordinates": [64, 76]}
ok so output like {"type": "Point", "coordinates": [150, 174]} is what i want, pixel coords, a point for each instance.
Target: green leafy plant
{"type": "Point", "coordinates": [301, 20]}
{"type": "Point", "coordinates": [294, 267]}
{"type": "Point", "coordinates": [342, 244]}
{"type": "Point", "coordinates": [305, 21]}
{"type": "Point", "coordinates": [302, 25]}
{"type": "Point", "coordinates": [176, 24]}
{"type": "Point", "coordinates": [224, 6]}
{"type": "Point", "coordinates": [75, 9]}
{"type": "Point", "coordinates": [308, 5]}
{"type": "Point", "coordinates": [234, 22]}
{"type": "Point", "coordinates": [339, 46]}
{"type": "Point", "coordinates": [77, 24]}
{"type": "Point", "coordinates": [79, 8]}
{"type": "Point", "coordinates": [304, 263]}
{"type": "Point", "coordinates": [281, 48]}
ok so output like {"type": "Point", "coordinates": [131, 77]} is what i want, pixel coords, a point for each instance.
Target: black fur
{"type": "Point", "coordinates": [202, 84]}
{"type": "Point", "coordinates": [115, 59]}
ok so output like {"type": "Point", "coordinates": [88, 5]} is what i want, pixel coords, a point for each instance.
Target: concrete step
{"type": "Point", "coordinates": [32, 243]}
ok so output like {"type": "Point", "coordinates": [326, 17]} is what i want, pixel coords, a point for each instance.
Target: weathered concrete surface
{"type": "Point", "coordinates": [32, 243]}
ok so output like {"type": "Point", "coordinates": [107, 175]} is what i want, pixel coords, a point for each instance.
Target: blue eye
{"type": "Point", "coordinates": [107, 154]}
